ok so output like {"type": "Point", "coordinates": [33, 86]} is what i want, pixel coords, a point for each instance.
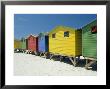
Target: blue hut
{"type": "Point", "coordinates": [43, 43]}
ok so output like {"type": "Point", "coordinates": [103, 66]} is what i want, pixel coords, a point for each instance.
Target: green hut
{"type": "Point", "coordinates": [23, 44]}
{"type": "Point", "coordinates": [89, 40]}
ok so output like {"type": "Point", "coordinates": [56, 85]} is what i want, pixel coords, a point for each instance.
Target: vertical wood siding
{"type": "Point", "coordinates": [23, 43]}
{"type": "Point", "coordinates": [32, 43]}
{"type": "Point", "coordinates": [43, 44]}
{"type": "Point", "coordinates": [78, 42]}
{"type": "Point", "coordinates": [47, 43]}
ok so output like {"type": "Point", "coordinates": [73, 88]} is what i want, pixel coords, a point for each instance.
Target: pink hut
{"type": "Point", "coordinates": [32, 43]}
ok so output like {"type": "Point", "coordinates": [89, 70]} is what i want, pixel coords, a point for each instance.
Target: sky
{"type": "Point", "coordinates": [26, 24]}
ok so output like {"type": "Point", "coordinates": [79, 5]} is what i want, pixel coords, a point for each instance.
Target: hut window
{"type": "Point", "coordinates": [53, 35]}
{"type": "Point", "coordinates": [66, 34]}
{"type": "Point", "coordinates": [94, 29]}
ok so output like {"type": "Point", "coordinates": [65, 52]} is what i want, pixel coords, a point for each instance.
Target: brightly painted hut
{"type": "Point", "coordinates": [89, 43]}
{"type": "Point", "coordinates": [65, 41]}
{"type": "Point", "coordinates": [89, 40]}
{"type": "Point", "coordinates": [32, 43]}
{"type": "Point", "coordinates": [17, 44]}
{"type": "Point", "coordinates": [23, 43]}
{"type": "Point", "coordinates": [43, 42]}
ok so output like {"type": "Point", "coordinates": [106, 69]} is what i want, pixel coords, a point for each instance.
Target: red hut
{"type": "Point", "coordinates": [32, 43]}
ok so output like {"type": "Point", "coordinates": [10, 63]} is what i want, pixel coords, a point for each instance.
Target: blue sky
{"type": "Point", "coordinates": [25, 24]}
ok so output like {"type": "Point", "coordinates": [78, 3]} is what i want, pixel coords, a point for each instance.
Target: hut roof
{"type": "Point", "coordinates": [65, 27]}
{"type": "Point", "coordinates": [31, 35]}
{"type": "Point", "coordinates": [43, 34]}
{"type": "Point", "coordinates": [88, 23]}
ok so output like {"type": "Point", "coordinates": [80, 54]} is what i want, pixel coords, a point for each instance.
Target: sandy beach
{"type": "Point", "coordinates": [31, 65]}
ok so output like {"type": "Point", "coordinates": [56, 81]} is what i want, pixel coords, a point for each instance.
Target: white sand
{"type": "Point", "coordinates": [31, 65]}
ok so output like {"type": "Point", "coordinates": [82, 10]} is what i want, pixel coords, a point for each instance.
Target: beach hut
{"type": "Point", "coordinates": [17, 44]}
{"type": "Point", "coordinates": [65, 41]}
{"type": "Point", "coordinates": [32, 43]}
{"type": "Point", "coordinates": [43, 44]}
{"type": "Point", "coordinates": [23, 44]}
{"type": "Point", "coordinates": [89, 42]}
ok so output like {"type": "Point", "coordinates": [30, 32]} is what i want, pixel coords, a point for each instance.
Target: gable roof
{"type": "Point", "coordinates": [31, 35]}
{"type": "Point", "coordinates": [43, 34]}
{"type": "Point", "coordinates": [64, 28]}
{"type": "Point", "coordinates": [89, 23]}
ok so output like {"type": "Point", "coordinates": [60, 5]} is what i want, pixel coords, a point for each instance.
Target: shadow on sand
{"type": "Point", "coordinates": [80, 63]}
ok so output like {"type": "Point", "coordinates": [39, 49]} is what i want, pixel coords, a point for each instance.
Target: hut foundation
{"type": "Point", "coordinates": [89, 62]}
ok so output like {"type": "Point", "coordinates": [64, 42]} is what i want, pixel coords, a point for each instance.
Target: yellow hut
{"type": "Point", "coordinates": [65, 41]}
{"type": "Point", "coordinates": [17, 44]}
